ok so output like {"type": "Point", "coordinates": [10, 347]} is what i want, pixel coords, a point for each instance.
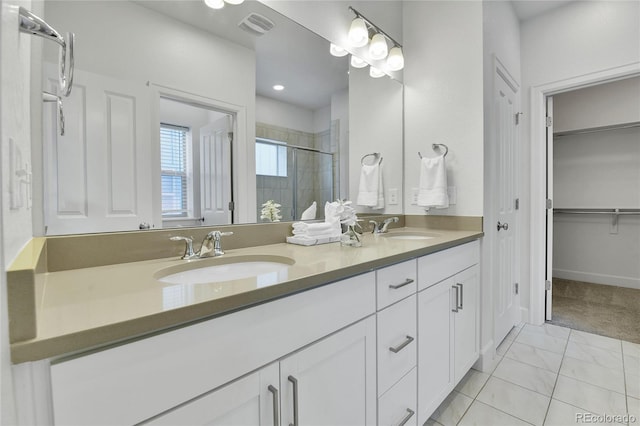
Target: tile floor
{"type": "Point", "coordinates": [550, 375]}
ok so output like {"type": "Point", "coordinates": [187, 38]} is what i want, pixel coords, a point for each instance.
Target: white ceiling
{"type": "Point", "coordinates": [289, 54]}
{"type": "Point", "coordinates": [527, 9]}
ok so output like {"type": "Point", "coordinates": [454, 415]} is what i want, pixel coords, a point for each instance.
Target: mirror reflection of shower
{"type": "Point", "coordinates": [295, 176]}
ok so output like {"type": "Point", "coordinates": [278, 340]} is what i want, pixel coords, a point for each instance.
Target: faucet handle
{"type": "Point", "coordinates": [217, 234]}
{"type": "Point", "coordinates": [375, 226]}
{"type": "Point", "coordinates": [188, 249]}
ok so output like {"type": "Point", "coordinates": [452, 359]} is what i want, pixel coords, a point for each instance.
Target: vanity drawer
{"type": "Point", "coordinates": [398, 406]}
{"type": "Point", "coordinates": [396, 342]}
{"type": "Point", "coordinates": [436, 267]}
{"type": "Point", "coordinates": [396, 282]}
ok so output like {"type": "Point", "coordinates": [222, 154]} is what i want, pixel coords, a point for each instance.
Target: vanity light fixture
{"type": "Point", "coordinates": [357, 62]}
{"type": "Point", "coordinates": [278, 87]}
{"type": "Point", "coordinates": [378, 48]}
{"type": "Point", "coordinates": [338, 51]}
{"type": "Point", "coordinates": [375, 72]}
{"type": "Point", "coordinates": [219, 4]}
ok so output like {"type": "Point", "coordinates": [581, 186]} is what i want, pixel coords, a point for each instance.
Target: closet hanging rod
{"type": "Point", "coordinates": [597, 129]}
{"type": "Point", "coordinates": [599, 211]}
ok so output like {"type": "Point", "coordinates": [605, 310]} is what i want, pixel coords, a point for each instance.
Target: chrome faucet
{"type": "Point", "coordinates": [381, 228]}
{"type": "Point", "coordinates": [210, 247]}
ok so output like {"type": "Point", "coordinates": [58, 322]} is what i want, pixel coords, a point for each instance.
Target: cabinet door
{"type": "Point", "coordinates": [466, 322]}
{"type": "Point", "coordinates": [435, 347]}
{"type": "Point", "coordinates": [332, 382]}
{"type": "Point", "coordinates": [252, 400]}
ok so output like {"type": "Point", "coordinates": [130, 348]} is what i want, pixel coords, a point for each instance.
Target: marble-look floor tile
{"type": "Point", "coordinates": [549, 329]}
{"type": "Point", "coordinates": [596, 340]}
{"type": "Point", "coordinates": [503, 347]}
{"type": "Point", "coordinates": [633, 386]}
{"type": "Point", "coordinates": [452, 409]}
{"type": "Point", "coordinates": [472, 383]}
{"type": "Point", "coordinates": [535, 356]}
{"type": "Point", "coordinates": [431, 422]}
{"type": "Point", "coordinates": [527, 376]}
{"type": "Point", "coordinates": [563, 414]}
{"type": "Point", "coordinates": [594, 374]}
{"type": "Point", "coordinates": [513, 333]}
{"type": "Point", "coordinates": [515, 400]}
{"type": "Point", "coordinates": [631, 349]}
{"type": "Point", "coordinates": [594, 355]}
{"type": "Point", "coordinates": [633, 405]}
{"type": "Point", "coordinates": [542, 341]}
{"type": "Point", "coordinates": [480, 414]}
{"type": "Point", "coordinates": [589, 397]}
{"type": "Point", "coordinates": [632, 365]}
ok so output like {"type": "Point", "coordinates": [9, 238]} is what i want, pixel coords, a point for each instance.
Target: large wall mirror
{"type": "Point", "coordinates": [174, 119]}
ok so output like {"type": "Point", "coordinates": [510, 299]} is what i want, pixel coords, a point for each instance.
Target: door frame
{"type": "Point", "coordinates": [537, 138]}
{"type": "Point", "coordinates": [241, 147]}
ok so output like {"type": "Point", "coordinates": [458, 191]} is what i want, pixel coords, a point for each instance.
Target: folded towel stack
{"type": "Point", "coordinates": [371, 189]}
{"type": "Point", "coordinates": [433, 183]}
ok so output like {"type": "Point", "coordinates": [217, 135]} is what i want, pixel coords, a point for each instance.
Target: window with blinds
{"type": "Point", "coordinates": [173, 165]}
{"type": "Point", "coordinates": [271, 158]}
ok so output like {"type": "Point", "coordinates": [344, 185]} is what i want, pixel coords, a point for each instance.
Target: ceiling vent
{"type": "Point", "coordinates": [256, 24]}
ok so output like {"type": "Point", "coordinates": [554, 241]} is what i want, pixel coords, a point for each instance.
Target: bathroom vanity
{"type": "Point", "coordinates": [373, 335]}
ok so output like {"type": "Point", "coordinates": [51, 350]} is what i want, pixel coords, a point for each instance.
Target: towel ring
{"type": "Point", "coordinates": [374, 154]}
{"type": "Point", "coordinates": [438, 145]}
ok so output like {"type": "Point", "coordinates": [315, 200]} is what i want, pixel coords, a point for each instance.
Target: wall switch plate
{"type": "Point", "coordinates": [414, 196]}
{"type": "Point", "coordinates": [393, 196]}
{"type": "Point", "coordinates": [453, 194]}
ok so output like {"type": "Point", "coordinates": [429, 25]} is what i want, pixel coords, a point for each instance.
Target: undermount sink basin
{"type": "Point", "coordinates": [408, 235]}
{"type": "Point", "coordinates": [266, 269]}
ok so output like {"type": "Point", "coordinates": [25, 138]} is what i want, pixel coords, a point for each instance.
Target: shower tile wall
{"type": "Point", "coordinates": [314, 172]}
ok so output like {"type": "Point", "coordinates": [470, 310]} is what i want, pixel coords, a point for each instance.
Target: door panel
{"type": "Point", "coordinates": [215, 159]}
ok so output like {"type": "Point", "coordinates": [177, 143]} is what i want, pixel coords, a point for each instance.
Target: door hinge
{"type": "Point", "coordinates": [517, 204]}
{"type": "Point", "coordinates": [549, 203]}
{"type": "Point", "coordinates": [231, 205]}
{"type": "Point", "coordinates": [516, 287]}
{"type": "Point", "coordinates": [549, 121]}
{"type": "Point", "coordinates": [518, 115]}
{"type": "Point", "coordinates": [547, 285]}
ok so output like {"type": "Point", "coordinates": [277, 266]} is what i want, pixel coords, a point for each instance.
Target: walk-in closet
{"type": "Point", "coordinates": [595, 185]}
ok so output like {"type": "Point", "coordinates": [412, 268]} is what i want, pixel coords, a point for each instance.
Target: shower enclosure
{"type": "Point", "coordinates": [294, 177]}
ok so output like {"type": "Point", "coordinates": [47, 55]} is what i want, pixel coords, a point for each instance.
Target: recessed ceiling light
{"type": "Point", "coordinates": [278, 87]}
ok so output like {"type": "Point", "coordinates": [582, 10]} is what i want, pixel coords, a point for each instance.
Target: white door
{"type": "Point", "coordinates": [252, 400]}
{"type": "Point", "coordinates": [98, 175]}
{"type": "Point", "coordinates": [506, 302]}
{"type": "Point", "coordinates": [435, 347]}
{"type": "Point", "coordinates": [332, 382]}
{"type": "Point", "coordinates": [548, 273]}
{"type": "Point", "coordinates": [215, 171]}
{"type": "Point", "coordinates": [465, 322]}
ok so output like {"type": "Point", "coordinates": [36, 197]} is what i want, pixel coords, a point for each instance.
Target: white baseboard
{"type": "Point", "coordinates": [487, 360]}
{"type": "Point", "coordinates": [524, 315]}
{"type": "Point", "coordinates": [590, 277]}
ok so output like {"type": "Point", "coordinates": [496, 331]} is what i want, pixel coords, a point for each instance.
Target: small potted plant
{"type": "Point", "coordinates": [271, 211]}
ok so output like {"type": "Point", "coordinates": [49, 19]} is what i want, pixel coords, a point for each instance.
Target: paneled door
{"type": "Point", "coordinates": [215, 171]}
{"type": "Point", "coordinates": [504, 264]}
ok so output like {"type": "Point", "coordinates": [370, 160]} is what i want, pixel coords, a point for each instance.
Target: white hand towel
{"type": "Point", "coordinates": [370, 190]}
{"type": "Point", "coordinates": [309, 213]}
{"type": "Point", "coordinates": [318, 226]}
{"type": "Point", "coordinates": [433, 183]}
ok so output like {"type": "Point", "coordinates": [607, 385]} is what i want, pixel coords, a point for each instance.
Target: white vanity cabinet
{"type": "Point", "coordinates": [448, 323]}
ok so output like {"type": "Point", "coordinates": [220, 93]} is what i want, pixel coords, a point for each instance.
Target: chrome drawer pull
{"type": "Point", "coordinates": [461, 294]}
{"type": "Point", "coordinates": [410, 414]}
{"type": "Point", "coordinates": [402, 345]}
{"type": "Point", "coordinates": [457, 289]}
{"type": "Point", "coordinates": [294, 381]}
{"type": "Point", "coordinates": [276, 414]}
{"type": "Point", "coordinates": [397, 286]}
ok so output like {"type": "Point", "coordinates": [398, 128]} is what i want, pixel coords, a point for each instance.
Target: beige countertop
{"type": "Point", "coordinates": [83, 309]}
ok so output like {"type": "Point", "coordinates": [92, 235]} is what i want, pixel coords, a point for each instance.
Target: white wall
{"type": "Point", "coordinates": [340, 113]}
{"type": "Point", "coordinates": [177, 56]}
{"type": "Point", "coordinates": [15, 49]}
{"type": "Point", "coordinates": [375, 125]}
{"type": "Point", "coordinates": [282, 114]}
{"type": "Point", "coordinates": [501, 40]}
{"type": "Point", "coordinates": [444, 97]}
{"type": "Point", "coordinates": [575, 40]}
{"type": "Point", "coordinates": [597, 170]}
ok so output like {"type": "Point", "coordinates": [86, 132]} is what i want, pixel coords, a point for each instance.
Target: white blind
{"type": "Point", "coordinates": [271, 159]}
{"type": "Point", "coordinates": [173, 165]}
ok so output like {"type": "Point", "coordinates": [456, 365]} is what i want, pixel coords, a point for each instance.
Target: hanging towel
{"type": "Point", "coordinates": [371, 192]}
{"type": "Point", "coordinates": [433, 183]}
{"type": "Point", "coordinates": [309, 213]}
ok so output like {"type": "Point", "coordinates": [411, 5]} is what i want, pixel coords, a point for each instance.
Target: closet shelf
{"type": "Point", "coordinates": [597, 129]}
